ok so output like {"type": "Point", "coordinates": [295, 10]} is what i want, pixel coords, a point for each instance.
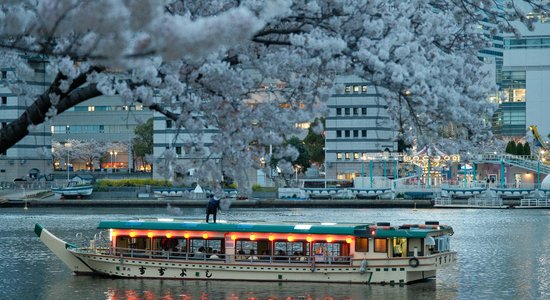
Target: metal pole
{"type": "Point", "coordinates": [429, 171]}
{"type": "Point", "coordinates": [502, 174]}
{"type": "Point", "coordinates": [68, 152]}
{"type": "Point", "coordinates": [538, 174]}
{"type": "Point", "coordinates": [370, 171]}
{"type": "Point", "coordinates": [464, 171]}
{"type": "Point", "coordinates": [325, 164]}
{"type": "Point", "coordinates": [362, 168]}
{"type": "Point", "coordinates": [395, 173]}
{"type": "Point", "coordinates": [475, 171]}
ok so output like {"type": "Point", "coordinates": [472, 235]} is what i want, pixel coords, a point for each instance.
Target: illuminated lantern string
{"type": "Point", "coordinates": [252, 237]}
{"type": "Point", "coordinates": [349, 240]}
{"type": "Point", "coordinates": [205, 236]}
{"type": "Point", "coordinates": [186, 235]}
{"type": "Point", "coordinates": [233, 236]}
{"type": "Point", "coordinates": [132, 234]}
{"type": "Point", "coordinates": [290, 238]}
{"type": "Point", "coordinates": [329, 239]}
{"type": "Point", "coordinates": [271, 238]}
{"type": "Point", "coordinates": [150, 234]}
{"type": "Point", "coordinates": [309, 239]}
{"type": "Point", "coordinates": [169, 235]}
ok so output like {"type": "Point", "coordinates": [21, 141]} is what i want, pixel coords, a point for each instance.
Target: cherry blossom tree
{"type": "Point", "coordinates": [252, 69]}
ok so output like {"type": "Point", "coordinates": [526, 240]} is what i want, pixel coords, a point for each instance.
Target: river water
{"type": "Point", "coordinates": [503, 254]}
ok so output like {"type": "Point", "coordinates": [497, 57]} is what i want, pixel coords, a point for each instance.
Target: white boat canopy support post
{"type": "Point", "coordinates": [59, 248]}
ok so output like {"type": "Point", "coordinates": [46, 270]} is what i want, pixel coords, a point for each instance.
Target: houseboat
{"type": "Point", "coordinates": [299, 252]}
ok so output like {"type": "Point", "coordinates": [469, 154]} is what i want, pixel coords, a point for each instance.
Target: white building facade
{"type": "Point", "coordinates": [357, 128]}
{"type": "Point", "coordinates": [30, 157]}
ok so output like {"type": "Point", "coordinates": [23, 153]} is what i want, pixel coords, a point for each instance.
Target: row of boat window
{"type": "Point", "coordinates": [200, 247]}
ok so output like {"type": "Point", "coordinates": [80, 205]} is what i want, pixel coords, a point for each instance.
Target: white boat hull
{"type": "Point", "coordinates": [390, 271]}
{"type": "Point", "coordinates": [85, 190]}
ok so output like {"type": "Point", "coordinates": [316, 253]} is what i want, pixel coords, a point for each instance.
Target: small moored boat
{"type": "Point", "coordinates": [303, 252]}
{"type": "Point", "coordinates": [73, 189]}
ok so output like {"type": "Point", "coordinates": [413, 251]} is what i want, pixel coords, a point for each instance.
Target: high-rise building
{"type": "Point", "coordinates": [30, 157]}
{"type": "Point", "coordinates": [357, 127]}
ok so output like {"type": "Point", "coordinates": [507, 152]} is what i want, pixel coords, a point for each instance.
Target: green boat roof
{"type": "Point", "coordinates": [362, 230]}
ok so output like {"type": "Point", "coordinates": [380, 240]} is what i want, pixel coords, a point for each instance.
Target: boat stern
{"type": "Point", "coordinates": [60, 249]}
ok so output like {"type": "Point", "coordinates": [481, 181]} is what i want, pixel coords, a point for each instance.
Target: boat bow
{"type": "Point", "coordinates": [60, 249]}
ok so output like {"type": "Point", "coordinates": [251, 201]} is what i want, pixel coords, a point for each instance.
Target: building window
{"type": "Point", "coordinates": [347, 89]}
{"type": "Point", "coordinates": [356, 89]}
{"type": "Point", "coordinates": [364, 156]}
{"type": "Point", "coordinates": [91, 108]}
{"type": "Point", "coordinates": [356, 155]}
{"type": "Point", "coordinates": [338, 111]}
{"type": "Point", "coordinates": [338, 133]}
{"type": "Point", "coordinates": [381, 245]}
{"type": "Point", "coordinates": [347, 133]}
{"type": "Point", "coordinates": [346, 111]}
{"type": "Point", "coordinates": [355, 111]}
{"type": "Point", "coordinates": [4, 100]}
{"type": "Point", "coordinates": [339, 155]}
{"type": "Point", "coordinates": [361, 245]}
{"type": "Point", "coordinates": [4, 124]}
{"type": "Point", "coordinates": [168, 123]}
{"type": "Point", "coordinates": [348, 155]}
{"type": "Point", "coordinates": [4, 74]}
{"type": "Point", "coordinates": [363, 133]}
{"type": "Point", "coordinates": [80, 108]}
{"type": "Point", "coordinates": [364, 88]}
{"type": "Point", "coordinates": [356, 133]}
{"type": "Point", "coordinates": [178, 150]}
{"type": "Point", "coordinates": [364, 111]}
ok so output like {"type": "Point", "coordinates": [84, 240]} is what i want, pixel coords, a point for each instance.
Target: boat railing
{"type": "Point", "coordinates": [238, 258]}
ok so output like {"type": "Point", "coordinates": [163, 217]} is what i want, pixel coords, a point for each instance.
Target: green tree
{"type": "Point", "coordinates": [303, 159]}
{"type": "Point", "coordinates": [511, 147]}
{"type": "Point", "coordinates": [315, 143]}
{"type": "Point", "coordinates": [143, 141]}
{"type": "Point", "coordinates": [519, 149]}
{"type": "Point", "coordinates": [526, 149]}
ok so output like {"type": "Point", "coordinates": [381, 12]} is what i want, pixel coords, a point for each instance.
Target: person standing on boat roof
{"type": "Point", "coordinates": [212, 207]}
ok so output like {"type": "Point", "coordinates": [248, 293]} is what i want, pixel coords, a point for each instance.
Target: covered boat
{"type": "Point", "coordinates": [301, 252]}
{"type": "Point", "coordinates": [74, 189]}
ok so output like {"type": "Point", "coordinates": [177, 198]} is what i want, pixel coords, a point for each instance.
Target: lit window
{"type": "Point", "coordinates": [361, 244]}
{"type": "Point", "coordinates": [91, 108]}
{"type": "Point", "coordinates": [348, 89]}
{"type": "Point", "coordinates": [339, 156]}
{"type": "Point", "coordinates": [380, 245]}
{"type": "Point", "coordinates": [348, 155]}
{"type": "Point", "coordinates": [356, 155]}
{"type": "Point", "coordinates": [356, 89]}
{"type": "Point", "coordinates": [139, 107]}
{"type": "Point", "coordinates": [364, 88]}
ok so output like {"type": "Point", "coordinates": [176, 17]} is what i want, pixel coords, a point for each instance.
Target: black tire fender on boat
{"type": "Point", "coordinates": [413, 262]}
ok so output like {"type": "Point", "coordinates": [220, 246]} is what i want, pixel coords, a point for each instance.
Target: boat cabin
{"type": "Point", "coordinates": [326, 243]}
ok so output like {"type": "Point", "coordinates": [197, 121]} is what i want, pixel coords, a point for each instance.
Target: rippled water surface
{"type": "Point", "coordinates": [503, 254]}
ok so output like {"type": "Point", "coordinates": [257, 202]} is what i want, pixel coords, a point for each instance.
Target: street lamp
{"type": "Point", "coordinates": [113, 153]}
{"type": "Point", "coordinates": [68, 145]}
